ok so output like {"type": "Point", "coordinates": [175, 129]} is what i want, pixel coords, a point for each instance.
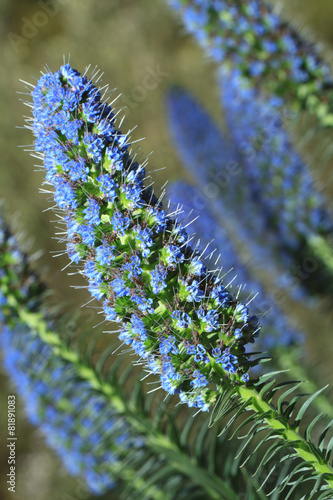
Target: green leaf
{"type": "Point", "coordinates": [307, 403]}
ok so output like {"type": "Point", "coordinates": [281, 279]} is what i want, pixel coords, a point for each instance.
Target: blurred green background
{"type": "Point", "coordinates": [127, 39]}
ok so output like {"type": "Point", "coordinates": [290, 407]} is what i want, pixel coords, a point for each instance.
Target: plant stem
{"type": "Point", "coordinates": [305, 450]}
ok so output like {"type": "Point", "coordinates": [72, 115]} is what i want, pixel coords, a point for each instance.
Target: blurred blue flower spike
{"type": "Point", "coordinates": [270, 54]}
{"type": "Point", "coordinates": [87, 434]}
{"type": "Point", "coordinates": [280, 181]}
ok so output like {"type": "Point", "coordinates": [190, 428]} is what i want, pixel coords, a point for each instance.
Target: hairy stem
{"type": "Point", "coordinates": [304, 449]}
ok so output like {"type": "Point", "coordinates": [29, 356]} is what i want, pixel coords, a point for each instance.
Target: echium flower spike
{"type": "Point", "coordinates": [268, 52]}
{"type": "Point", "coordinates": [280, 181]}
{"type": "Point", "coordinates": [136, 257]}
{"type": "Point", "coordinates": [79, 424]}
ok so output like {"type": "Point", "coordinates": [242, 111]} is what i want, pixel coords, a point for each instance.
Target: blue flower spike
{"type": "Point", "coordinates": [79, 424]}
{"type": "Point", "coordinates": [279, 179]}
{"type": "Point", "coordinates": [268, 53]}
{"type": "Point", "coordinates": [137, 258]}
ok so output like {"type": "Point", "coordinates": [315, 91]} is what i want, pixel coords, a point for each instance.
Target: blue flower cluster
{"type": "Point", "coordinates": [83, 428]}
{"type": "Point", "coordinates": [268, 53]}
{"type": "Point", "coordinates": [137, 259]}
{"type": "Point", "coordinates": [280, 181]}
